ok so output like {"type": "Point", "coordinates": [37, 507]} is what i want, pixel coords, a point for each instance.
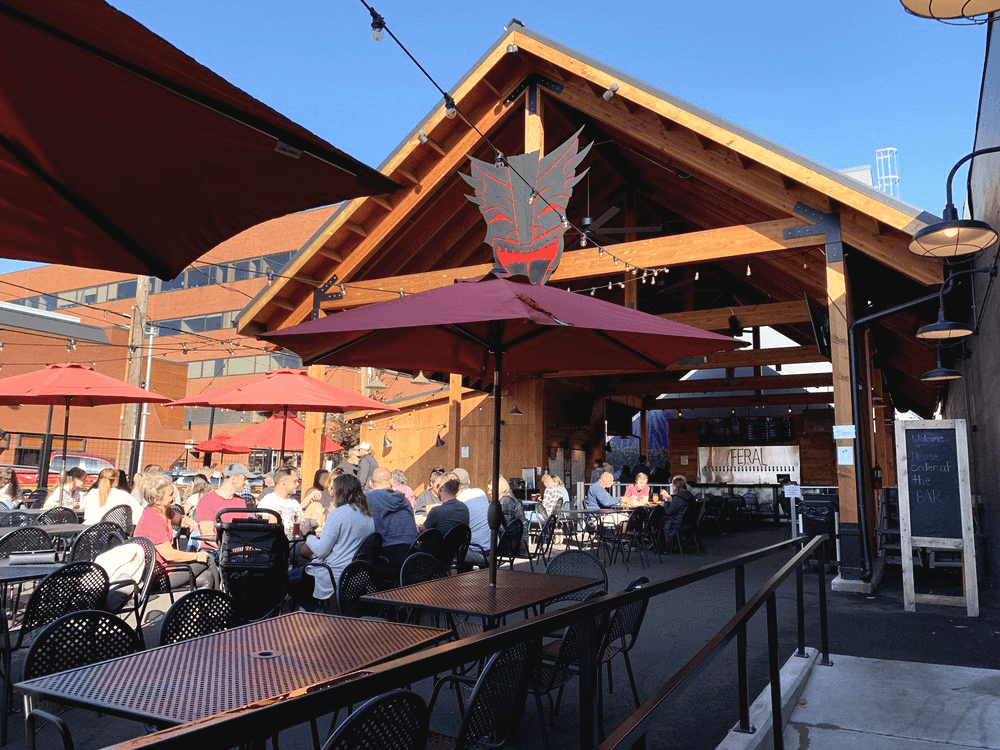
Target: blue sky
{"type": "Point", "coordinates": [832, 81]}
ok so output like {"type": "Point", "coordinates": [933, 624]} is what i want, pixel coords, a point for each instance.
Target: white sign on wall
{"type": "Point", "coordinates": [747, 464]}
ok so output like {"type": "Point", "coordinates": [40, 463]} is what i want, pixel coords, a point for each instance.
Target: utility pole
{"type": "Point", "coordinates": [133, 375]}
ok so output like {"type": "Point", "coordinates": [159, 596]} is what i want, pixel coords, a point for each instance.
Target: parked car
{"type": "Point", "coordinates": [28, 476]}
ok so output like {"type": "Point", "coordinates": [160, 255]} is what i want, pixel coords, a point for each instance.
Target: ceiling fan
{"type": "Point", "coordinates": [591, 228]}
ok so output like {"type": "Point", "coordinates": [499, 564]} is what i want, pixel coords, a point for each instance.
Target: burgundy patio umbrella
{"type": "Point", "coordinates": [277, 433]}
{"type": "Point", "coordinates": [218, 443]}
{"type": "Point", "coordinates": [488, 326]}
{"type": "Point", "coordinates": [283, 390]}
{"type": "Point", "coordinates": [71, 384]}
{"type": "Point", "coordinates": [120, 152]}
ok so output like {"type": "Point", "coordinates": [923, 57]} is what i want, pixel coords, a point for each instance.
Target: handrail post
{"type": "Point", "coordinates": [777, 728]}
{"type": "Point", "coordinates": [800, 610]}
{"type": "Point", "coordinates": [588, 695]}
{"type": "Point", "coordinates": [741, 655]}
{"type": "Point", "coordinates": [824, 630]}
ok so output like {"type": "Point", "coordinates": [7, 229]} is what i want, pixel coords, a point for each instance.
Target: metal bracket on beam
{"type": "Point", "coordinates": [822, 223]}
{"type": "Point", "coordinates": [323, 294]}
{"type": "Point", "coordinates": [532, 83]}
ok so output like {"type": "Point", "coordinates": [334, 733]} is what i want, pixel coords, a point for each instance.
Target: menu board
{"type": "Point", "coordinates": [933, 483]}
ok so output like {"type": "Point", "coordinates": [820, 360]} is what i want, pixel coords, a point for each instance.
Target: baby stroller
{"type": "Point", "coordinates": [253, 559]}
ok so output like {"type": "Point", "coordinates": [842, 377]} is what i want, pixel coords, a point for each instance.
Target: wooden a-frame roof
{"type": "Point", "coordinates": [717, 200]}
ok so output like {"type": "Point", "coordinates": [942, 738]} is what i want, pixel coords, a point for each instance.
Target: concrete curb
{"type": "Point", "coordinates": [794, 675]}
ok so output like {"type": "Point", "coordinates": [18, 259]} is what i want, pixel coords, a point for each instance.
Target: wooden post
{"type": "Point", "coordinates": [312, 448]}
{"type": "Point", "coordinates": [534, 130]}
{"type": "Point", "coordinates": [133, 375]}
{"type": "Point", "coordinates": [840, 318]}
{"type": "Point", "coordinates": [455, 419]}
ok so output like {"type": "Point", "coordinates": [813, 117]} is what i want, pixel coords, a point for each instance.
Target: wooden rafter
{"type": "Point", "coordinates": [713, 385]}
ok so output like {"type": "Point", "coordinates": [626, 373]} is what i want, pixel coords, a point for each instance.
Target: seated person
{"type": "Point", "coordinates": [637, 493]}
{"type": "Point", "coordinates": [315, 507]}
{"type": "Point", "coordinates": [511, 507]}
{"type": "Point", "coordinates": [553, 499]}
{"type": "Point", "coordinates": [393, 520]}
{"type": "Point", "coordinates": [680, 498]}
{"type": "Point", "coordinates": [598, 495]}
{"type": "Point", "coordinates": [451, 512]}
{"type": "Point", "coordinates": [156, 524]}
{"type": "Point", "coordinates": [399, 484]}
{"type": "Point", "coordinates": [106, 496]}
{"type": "Point", "coordinates": [69, 493]}
{"type": "Point", "coordinates": [346, 527]}
{"type": "Point", "coordinates": [234, 480]}
{"type": "Point", "coordinates": [10, 490]}
{"type": "Point", "coordinates": [479, 510]}
{"type": "Point", "coordinates": [286, 481]}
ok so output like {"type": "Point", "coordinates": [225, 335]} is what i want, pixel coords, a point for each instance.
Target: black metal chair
{"type": "Point", "coordinates": [56, 515]}
{"type": "Point", "coordinates": [121, 515]}
{"type": "Point", "coordinates": [75, 586]}
{"type": "Point", "coordinates": [619, 638]}
{"type": "Point", "coordinates": [509, 545]}
{"type": "Point", "coordinates": [253, 560]}
{"type": "Point", "coordinates": [369, 548]}
{"type": "Point", "coordinates": [688, 527]}
{"type": "Point", "coordinates": [456, 546]}
{"type": "Point", "coordinates": [396, 720]}
{"type": "Point", "coordinates": [429, 541]}
{"type": "Point", "coordinates": [546, 538]}
{"type": "Point", "coordinates": [417, 568]}
{"type": "Point", "coordinates": [24, 539]}
{"type": "Point", "coordinates": [199, 613]}
{"type": "Point", "coordinates": [74, 640]}
{"type": "Point", "coordinates": [94, 540]}
{"type": "Point", "coordinates": [495, 705]}
{"type": "Point", "coordinates": [17, 518]}
{"type": "Point", "coordinates": [37, 498]}
{"type": "Point", "coordinates": [578, 563]}
{"type": "Point", "coordinates": [359, 578]}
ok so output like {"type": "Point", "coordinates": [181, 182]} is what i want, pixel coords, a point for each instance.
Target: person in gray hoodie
{"type": "Point", "coordinates": [393, 520]}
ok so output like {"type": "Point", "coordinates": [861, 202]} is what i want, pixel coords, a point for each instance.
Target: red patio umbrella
{"type": "Point", "coordinates": [72, 385]}
{"type": "Point", "coordinates": [278, 433]}
{"type": "Point", "coordinates": [284, 390]}
{"type": "Point", "coordinates": [118, 151]}
{"type": "Point", "coordinates": [483, 327]}
{"type": "Point", "coordinates": [217, 444]}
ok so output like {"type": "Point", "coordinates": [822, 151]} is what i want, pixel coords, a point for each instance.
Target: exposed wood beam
{"type": "Point", "coordinates": [745, 402]}
{"type": "Point", "coordinates": [789, 355]}
{"type": "Point", "coordinates": [356, 228]}
{"type": "Point", "coordinates": [778, 313]}
{"type": "Point", "coordinates": [713, 385]}
{"type": "Point", "coordinates": [282, 303]}
{"type": "Point", "coordinates": [767, 184]}
{"type": "Point", "coordinates": [673, 250]}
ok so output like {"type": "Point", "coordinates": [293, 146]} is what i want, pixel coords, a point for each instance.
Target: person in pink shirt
{"type": "Point", "coordinates": [638, 492]}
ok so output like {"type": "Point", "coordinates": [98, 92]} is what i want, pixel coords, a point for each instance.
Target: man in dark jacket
{"type": "Point", "coordinates": [393, 519]}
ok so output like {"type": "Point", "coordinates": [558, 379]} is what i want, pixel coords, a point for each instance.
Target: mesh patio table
{"type": "Point", "coordinates": [470, 594]}
{"type": "Point", "coordinates": [204, 676]}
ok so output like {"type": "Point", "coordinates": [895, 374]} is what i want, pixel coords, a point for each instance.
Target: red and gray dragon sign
{"type": "Point", "coordinates": [524, 216]}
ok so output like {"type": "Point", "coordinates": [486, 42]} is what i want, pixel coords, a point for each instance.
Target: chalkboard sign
{"type": "Point", "coordinates": [933, 483]}
{"type": "Point", "coordinates": [935, 504]}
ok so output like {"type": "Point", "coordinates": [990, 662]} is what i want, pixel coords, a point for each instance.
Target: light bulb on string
{"type": "Point", "coordinates": [531, 198]}
{"type": "Point", "coordinates": [378, 25]}
{"type": "Point", "coordinates": [591, 292]}
{"type": "Point", "coordinates": [627, 268]}
{"type": "Point", "coordinates": [695, 275]}
{"type": "Point", "coordinates": [600, 252]}
{"type": "Point", "coordinates": [565, 224]}
{"type": "Point", "coordinates": [499, 161]}
{"type": "Point", "coordinates": [583, 241]}
{"type": "Point", "coordinates": [450, 110]}
{"type": "Point", "coordinates": [615, 259]}
{"type": "Point", "coordinates": [610, 285]}
{"type": "Point", "coordinates": [621, 284]}
{"type": "Point", "coordinates": [748, 269]}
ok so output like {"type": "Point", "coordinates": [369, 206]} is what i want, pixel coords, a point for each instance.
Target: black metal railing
{"type": "Point", "coordinates": [248, 723]}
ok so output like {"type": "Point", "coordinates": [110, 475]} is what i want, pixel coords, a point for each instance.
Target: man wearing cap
{"type": "Point", "coordinates": [366, 464]}
{"type": "Point", "coordinates": [479, 510]}
{"type": "Point", "coordinates": [351, 463]}
{"type": "Point", "coordinates": [393, 520]}
{"type": "Point", "coordinates": [234, 480]}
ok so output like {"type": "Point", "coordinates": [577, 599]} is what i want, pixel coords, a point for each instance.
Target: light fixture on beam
{"type": "Point", "coordinates": [610, 93]}
{"type": "Point", "coordinates": [375, 382]}
{"type": "Point", "coordinates": [940, 374]}
{"type": "Point", "coordinates": [944, 329]}
{"type": "Point", "coordinates": [951, 10]}
{"type": "Point", "coordinates": [386, 442]}
{"type": "Point", "coordinates": [953, 237]}
{"type": "Point", "coordinates": [420, 379]}
{"type": "Point", "coordinates": [515, 412]}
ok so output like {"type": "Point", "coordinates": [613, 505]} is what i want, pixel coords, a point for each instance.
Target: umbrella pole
{"type": "Point", "coordinates": [65, 440]}
{"type": "Point", "coordinates": [284, 427]}
{"type": "Point", "coordinates": [495, 515]}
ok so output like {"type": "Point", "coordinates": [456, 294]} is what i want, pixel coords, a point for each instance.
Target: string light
{"type": "Point", "coordinates": [378, 25]}
{"type": "Point", "coordinates": [499, 161]}
{"type": "Point", "coordinates": [450, 110]}
{"type": "Point", "coordinates": [748, 269]}
{"type": "Point", "coordinates": [695, 275]}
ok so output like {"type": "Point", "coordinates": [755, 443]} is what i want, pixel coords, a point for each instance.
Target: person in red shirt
{"type": "Point", "coordinates": [234, 480]}
{"type": "Point", "coordinates": [157, 524]}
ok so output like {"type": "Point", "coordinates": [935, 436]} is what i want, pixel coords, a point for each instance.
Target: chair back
{"type": "Point", "coordinates": [24, 539]}
{"type": "Point", "coordinates": [201, 612]}
{"type": "Point", "coordinates": [509, 543]}
{"type": "Point", "coordinates": [56, 515]}
{"type": "Point", "coordinates": [497, 698]}
{"type": "Point", "coordinates": [428, 541]}
{"type": "Point", "coordinates": [37, 498]}
{"type": "Point", "coordinates": [419, 567]}
{"type": "Point", "coordinates": [692, 513]}
{"type": "Point", "coordinates": [75, 586]}
{"type": "Point", "coordinates": [456, 546]}
{"type": "Point", "coordinates": [358, 578]}
{"type": "Point", "coordinates": [579, 563]}
{"type": "Point", "coordinates": [626, 621]}
{"type": "Point", "coordinates": [253, 561]}
{"type": "Point", "coordinates": [121, 515]}
{"type": "Point", "coordinates": [369, 548]}
{"type": "Point", "coordinates": [17, 518]}
{"type": "Point", "coordinates": [395, 720]}
{"type": "Point", "coordinates": [96, 539]}
{"type": "Point", "coordinates": [78, 639]}
{"type": "Point", "coordinates": [546, 538]}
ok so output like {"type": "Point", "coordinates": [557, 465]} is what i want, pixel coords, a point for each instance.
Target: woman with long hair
{"type": "Point", "coordinates": [157, 524]}
{"type": "Point", "coordinates": [199, 486]}
{"type": "Point", "coordinates": [106, 495]}
{"type": "Point", "coordinates": [510, 505]}
{"type": "Point", "coordinates": [346, 526]}
{"type": "Point", "coordinates": [10, 489]}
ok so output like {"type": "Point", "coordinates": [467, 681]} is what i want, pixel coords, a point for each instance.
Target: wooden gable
{"type": "Point", "coordinates": [720, 200]}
